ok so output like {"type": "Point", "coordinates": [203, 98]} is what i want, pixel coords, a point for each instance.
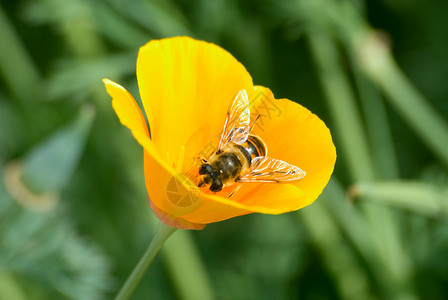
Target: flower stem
{"type": "Point", "coordinates": [16, 65]}
{"type": "Point", "coordinates": [163, 232]}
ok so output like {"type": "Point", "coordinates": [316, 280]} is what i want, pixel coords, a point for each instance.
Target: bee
{"type": "Point", "coordinates": [241, 156]}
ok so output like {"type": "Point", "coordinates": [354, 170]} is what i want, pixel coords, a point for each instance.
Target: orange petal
{"type": "Point", "coordinates": [126, 108]}
{"type": "Point", "coordinates": [173, 221]}
{"type": "Point", "coordinates": [295, 135]}
{"type": "Point", "coordinates": [186, 87]}
{"type": "Point", "coordinates": [266, 199]}
{"type": "Point", "coordinates": [183, 201]}
{"type": "Point", "coordinates": [130, 116]}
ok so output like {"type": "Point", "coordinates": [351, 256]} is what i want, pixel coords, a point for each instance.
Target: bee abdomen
{"type": "Point", "coordinates": [254, 146]}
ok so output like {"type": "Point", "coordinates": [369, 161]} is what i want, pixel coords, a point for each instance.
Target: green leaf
{"type": "Point", "coordinates": [46, 249]}
{"type": "Point", "coordinates": [49, 165]}
{"type": "Point", "coordinates": [420, 197]}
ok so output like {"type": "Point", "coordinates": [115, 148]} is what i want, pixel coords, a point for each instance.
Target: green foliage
{"type": "Point", "coordinates": [45, 249]}
{"type": "Point", "coordinates": [49, 165]}
{"type": "Point", "coordinates": [377, 232]}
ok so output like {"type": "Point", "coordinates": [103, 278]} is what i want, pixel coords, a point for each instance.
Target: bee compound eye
{"type": "Point", "coordinates": [205, 169]}
{"type": "Point", "coordinates": [216, 186]}
{"type": "Point", "coordinates": [202, 170]}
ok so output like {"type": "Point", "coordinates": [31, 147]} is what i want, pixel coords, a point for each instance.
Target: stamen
{"type": "Point", "coordinates": [168, 159]}
{"type": "Point", "coordinates": [180, 159]}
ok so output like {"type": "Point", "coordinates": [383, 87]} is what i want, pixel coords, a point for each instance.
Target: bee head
{"type": "Point", "coordinates": [209, 177]}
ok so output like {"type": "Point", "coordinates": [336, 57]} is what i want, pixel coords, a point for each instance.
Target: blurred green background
{"type": "Point", "coordinates": [74, 216]}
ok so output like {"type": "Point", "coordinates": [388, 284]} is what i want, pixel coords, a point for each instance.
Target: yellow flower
{"type": "Point", "coordinates": [186, 87]}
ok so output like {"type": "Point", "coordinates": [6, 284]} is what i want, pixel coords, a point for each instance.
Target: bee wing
{"type": "Point", "coordinates": [236, 127]}
{"type": "Point", "coordinates": [266, 169]}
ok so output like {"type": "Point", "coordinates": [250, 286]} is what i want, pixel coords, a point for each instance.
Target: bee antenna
{"type": "Point", "coordinates": [252, 126]}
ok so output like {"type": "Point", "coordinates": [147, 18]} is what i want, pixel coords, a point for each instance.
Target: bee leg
{"type": "Point", "coordinates": [201, 159]}
{"type": "Point", "coordinates": [253, 124]}
{"type": "Point", "coordinates": [234, 191]}
{"type": "Point", "coordinates": [201, 183]}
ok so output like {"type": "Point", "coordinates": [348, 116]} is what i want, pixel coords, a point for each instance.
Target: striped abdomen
{"type": "Point", "coordinates": [254, 147]}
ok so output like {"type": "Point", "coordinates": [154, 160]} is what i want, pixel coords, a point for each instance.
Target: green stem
{"type": "Point", "coordinates": [342, 102]}
{"type": "Point", "coordinates": [377, 124]}
{"type": "Point", "coordinates": [377, 62]}
{"type": "Point", "coordinates": [16, 65]}
{"type": "Point", "coordinates": [186, 269]}
{"type": "Point", "coordinates": [414, 108]}
{"type": "Point", "coordinates": [10, 288]}
{"type": "Point", "coordinates": [342, 261]}
{"type": "Point", "coordinates": [162, 234]}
